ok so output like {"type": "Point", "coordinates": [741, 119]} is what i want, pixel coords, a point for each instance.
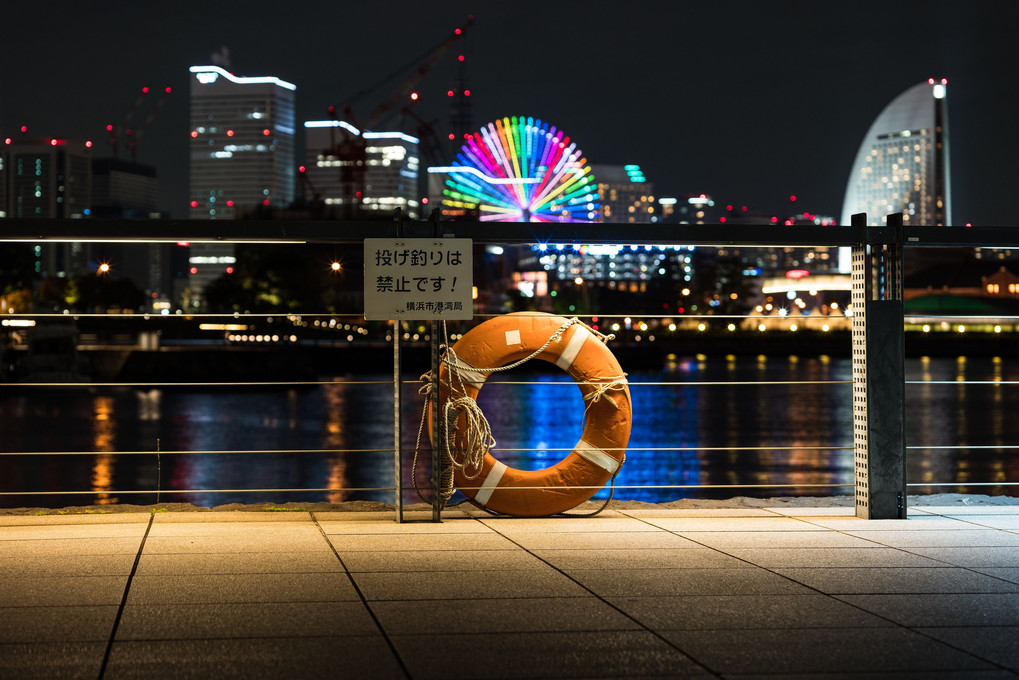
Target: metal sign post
{"type": "Point", "coordinates": [418, 279]}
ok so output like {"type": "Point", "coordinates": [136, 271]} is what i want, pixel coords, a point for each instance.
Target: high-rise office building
{"type": "Point", "coordinates": [361, 174]}
{"type": "Point", "coordinates": [51, 178]}
{"type": "Point", "coordinates": [902, 165]}
{"type": "Point", "coordinates": [47, 178]}
{"type": "Point", "coordinates": [242, 156]}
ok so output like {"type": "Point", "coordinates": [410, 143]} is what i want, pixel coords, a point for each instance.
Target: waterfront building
{"type": "Point", "coordinates": [903, 164]}
{"type": "Point", "coordinates": [49, 178]}
{"type": "Point", "coordinates": [242, 156]}
{"type": "Point", "coordinates": [626, 195]}
{"type": "Point", "coordinates": [358, 173]}
{"type": "Point", "coordinates": [690, 209]}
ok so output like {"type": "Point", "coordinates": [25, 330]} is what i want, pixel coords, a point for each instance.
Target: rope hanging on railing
{"type": "Point", "coordinates": [473, 436]}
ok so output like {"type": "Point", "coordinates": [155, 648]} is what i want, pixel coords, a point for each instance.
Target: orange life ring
{"type": "Point", "coordinates": [579, 351]}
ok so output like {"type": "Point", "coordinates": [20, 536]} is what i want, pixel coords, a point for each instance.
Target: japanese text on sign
{"type": "Point", "coordinates": [418, 279]}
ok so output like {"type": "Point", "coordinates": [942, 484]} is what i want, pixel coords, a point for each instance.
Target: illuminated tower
{"type": "Point", "coordinates": [902, 164]}
{"type": "Point", "coordinates": [242, 155]}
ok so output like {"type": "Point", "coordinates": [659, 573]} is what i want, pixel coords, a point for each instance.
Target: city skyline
{"type": "Point", "coordinates": [748, 102]}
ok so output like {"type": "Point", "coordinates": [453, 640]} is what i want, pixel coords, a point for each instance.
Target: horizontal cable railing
{"type": "Point", "coordinates": [198, 232]}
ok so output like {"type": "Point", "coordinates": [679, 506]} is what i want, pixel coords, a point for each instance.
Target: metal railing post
{"type": "Point", "coordinates": [879, 430]}
{"type": "Point", "coordinates": [397, 422]}
{"type": "Point", "coordinates": [437, 425]}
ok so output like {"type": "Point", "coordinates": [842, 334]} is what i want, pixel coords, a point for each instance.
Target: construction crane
{"type": "Point", "coordinates": [350, 150]}
{"type": "Point", "coordinates": [132, 136]}
{"type": "Point", "coordinates": [430, 147]}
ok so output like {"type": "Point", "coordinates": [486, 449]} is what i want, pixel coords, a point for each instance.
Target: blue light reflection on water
{"type": "Point", "coordinates": [714, 423]}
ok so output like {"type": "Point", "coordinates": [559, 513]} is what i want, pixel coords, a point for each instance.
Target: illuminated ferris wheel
{"type": "Point", "coordinates": [522, 170]}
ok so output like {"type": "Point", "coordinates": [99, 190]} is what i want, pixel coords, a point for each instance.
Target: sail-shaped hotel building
{"type": "Point", "coordinates": [902, 163]}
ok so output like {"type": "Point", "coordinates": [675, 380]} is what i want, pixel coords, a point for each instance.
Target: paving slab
{"type": "Point", "coordinates": [745, 612]}
{"type": "Point", "coordinates": [51, 660]}
{"type": "Point", "coordinates": [897, 580]}
{"type": "Point", "coordinates": [232, 588]}
{"type": "Point", "coordinates": [631, 540]}
{"type": "Point", "coordinates": [999, 645]}
{"type": "Point", "coordinates": [822, 650]}
{"type": "Point", "coordinates": [687, 525]}
{"type": "Point", "coordinates": [465, 526]}
{"type": "Point", "coordinates": [589, 654]}
{"type": "Point", "coordinates": [1010, 574]}
{"type": "Point", "coordinates": [449, 585]}
{"type": "Point", "coordinates": [250, 530]}
{"type": "Point", "coordinates": [981, 509]}
{"type": "Point", "coordinates": [65, 565]}
{"type": "Point", "coordinates": [281, 562]}
{"type": "Point", "coordinates": [438, 560]}
{"type": "Point", "coordinates": [388, 542]}
{"type": "Point", "coordinates": [234, 516]}
{"type": "Point", "coordinates": [700, 512]}
{"type": "Point", "coordinates": [986, 556]}
{"type": "Point", "coordinates": [70, 546]}
{"type": "Point", "coordinates": [1003, 522]}
{"type": "Point", "coordinates": [832, 557]}
{"type": "Point", "coordinates": [668, 582]}
{"type": "Point", "coordinates": [975, 538]}
{"type": "Point", "coordinates": [661, 558]}
{"type": "Point", "coordinates": [499, 615]}
{"type": "Point", "coordinates": [76, 519]}
{"type": "Point", "coordinates": [810, 512]}
{"type": "Point", "coordinates": [942, 609]}
{"type": "Point", "coordinates": [68, 623]}
{"type": "Point", "coordinates": [332, 658]}
{"type": "Point", "coordinates": [60, 590]}
{"type": "Point", "coordinates": [236, 543]}
{"type": "Point", "coordinates": [70, 532]}
{"type": "Point", "coordinates": [924, 523]}
{"type": "Point", "coordinates": [513, 526]}
{"type": "Point", "coordinates": [244, 620]}
{"type": "Point", "coordinates": [776, 539]}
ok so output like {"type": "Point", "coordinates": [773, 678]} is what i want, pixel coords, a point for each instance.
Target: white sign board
{"type": "Point", "coordinates": [418, 278]}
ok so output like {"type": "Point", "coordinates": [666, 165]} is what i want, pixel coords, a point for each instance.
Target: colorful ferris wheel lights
{"type": "Point", "coordinates": [520, 169]}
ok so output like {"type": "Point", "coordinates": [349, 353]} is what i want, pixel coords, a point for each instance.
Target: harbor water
{"type": "Point", "coordinates": [703, 427]}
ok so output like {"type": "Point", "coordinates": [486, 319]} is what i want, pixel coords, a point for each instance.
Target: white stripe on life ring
{"type": "Point", "coordinates": [569, 354]}
{"type": "Point", "coordinates": [597, 456]}
{"type": "Point", "coordinates": [490, 483]}
{"type": "Point", "coordinates": [470, 376]}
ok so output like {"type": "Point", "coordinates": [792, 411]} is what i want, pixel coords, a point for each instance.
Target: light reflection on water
{"type": "Point", "coordinates": [699, 422]}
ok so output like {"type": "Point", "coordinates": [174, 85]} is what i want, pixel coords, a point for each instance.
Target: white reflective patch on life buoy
{"type": "Point", "coordinates": [513, 337]}
{"type": "Point", "coordinates": [471, 376]}
{"type": "Point", "coordinates": [490, 483]}
{"type": "Point", "coordinates": [572, 349]}
{"type": "Point", "coordinates": [596, 456]}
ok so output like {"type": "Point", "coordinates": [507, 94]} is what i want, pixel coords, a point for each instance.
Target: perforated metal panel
{"type": "Point", "coordinates": [860, 439]}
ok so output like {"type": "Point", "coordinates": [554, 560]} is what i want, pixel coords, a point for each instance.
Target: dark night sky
{"type": "Point", "coordinates": [746, 100]}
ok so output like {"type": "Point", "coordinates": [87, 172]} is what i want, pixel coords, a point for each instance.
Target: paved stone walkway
{"type": "Point", "coordinates": [651, 593]}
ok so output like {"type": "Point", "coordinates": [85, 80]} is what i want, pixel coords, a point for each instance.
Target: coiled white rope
{"type": "Point", "coordinates": [475, 434]}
